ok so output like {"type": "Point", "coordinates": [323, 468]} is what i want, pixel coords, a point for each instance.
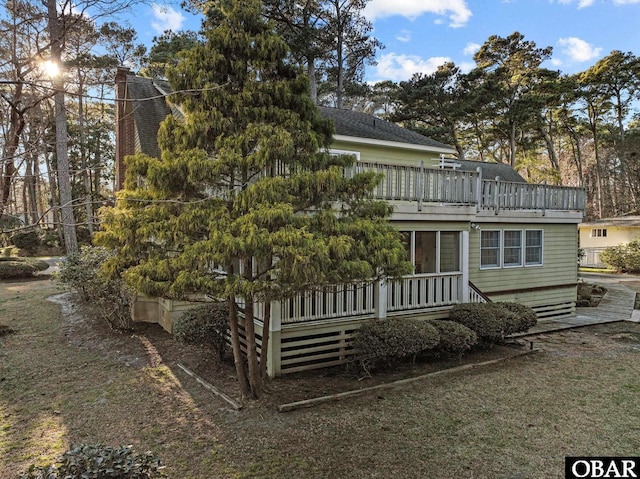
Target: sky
{"type": "Point", "coordinates": [419, 35]}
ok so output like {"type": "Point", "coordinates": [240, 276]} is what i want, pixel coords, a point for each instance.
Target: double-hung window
{"type": "Point", "coordinates": [490, 249]}
{"type": "Point", "coordinates": [533, 250]}
{"type": "Point", "coordinates": [510, 248]}
{"type": "Point", "coordinates": [512, 252]}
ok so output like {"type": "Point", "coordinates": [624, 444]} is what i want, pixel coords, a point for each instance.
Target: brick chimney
{"type": "Point", "coordinates": [125, 126]}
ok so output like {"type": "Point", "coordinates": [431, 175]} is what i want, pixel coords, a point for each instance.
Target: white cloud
{"type": "Point", "coordinates": [578, 50]}
{"type": "Point", "coordinates": [392, 66]}
{"type": "Point", "coordinates": [466, 67]}
{"type": "Point", "coordinates": [471, 48]}
{"type": "Point", "coordinates": [584, 3]}
{"type": "Point", "coordinates": [456, 10]}
{"type": "Point", "coordinates": [556, 62]}
{"type": "Point", "coordinates": [626, 2]}
{"type": "Point", "coordinates": [404, 36]}
{"type": "Point", "coordinates": [166, 18]}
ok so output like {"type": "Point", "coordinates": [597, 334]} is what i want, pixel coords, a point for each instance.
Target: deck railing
{"type": "Point", "coordinates": [422, 291]}
{"type": "Point", "coordinates": [431, 185]}
{"type": "Point", "coordinates": [337, 301]}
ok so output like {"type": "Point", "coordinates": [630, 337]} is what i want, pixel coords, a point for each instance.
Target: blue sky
{"type": "Point", "coordinates": [419, 35]}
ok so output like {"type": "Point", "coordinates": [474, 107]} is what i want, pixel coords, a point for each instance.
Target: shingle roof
{"type": "Point", "coordinates": [491, 170]}
{"type": "Point", "coordinates": [615, 221]}
{"type": "Point", "coordinates": [149, 109]}
{"type": "Point", "coordinates": [363, 125]}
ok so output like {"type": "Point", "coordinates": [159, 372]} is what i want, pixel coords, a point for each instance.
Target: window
{"type": "Point", "coordinates": [512, 252]}
{"type": "Point", "coordinates": [425, 249]}
{"type": "Point", "coordinates": [490, 249]}
{"type": "Point", "coordinates": [433, 251]}
{"type": "Point", "coordinates": [599, 233]}
{"type": "Point", "coordinates": [533, 251]}
{"type": "Point", "coordinates": [449, 251]}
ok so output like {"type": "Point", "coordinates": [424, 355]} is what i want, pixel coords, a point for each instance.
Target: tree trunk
{"type": "Point", "coordinates": [238, 358]}
{"type": "Point", "coordinates": [313, 81]}
{"type": "Point", "coordinates": [264, 348]}
{"type": "Point", "coordinates": [16, 127]}
{"type": "Point", "coordinates": [62, 152]}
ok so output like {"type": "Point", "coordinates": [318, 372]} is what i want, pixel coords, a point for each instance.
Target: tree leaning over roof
{"type": "Point", "coordinates": [246, 185]}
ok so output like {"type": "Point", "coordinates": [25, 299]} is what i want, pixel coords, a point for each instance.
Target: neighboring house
{"type": "Point", "coordinates": [597, 235]}
{"type": "Point", "coordinates": [474, 231]}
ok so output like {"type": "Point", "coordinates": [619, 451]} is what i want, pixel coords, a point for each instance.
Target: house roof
{"type": "Point", "coordinates": [362, 125]}
{"type": "Point", "coordinates": [150, 108]}
{"type": "Point", "coordinates": [620, 221]}
{"type": "Point", "coordinates": [491, 170]}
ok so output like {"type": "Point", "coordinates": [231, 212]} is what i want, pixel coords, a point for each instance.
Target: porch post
{"type": "Point", "coordinates": [496, 196]}
{"type": "Point", "coordinates": [464, 287]}
{"type": "Point", "coordinates": [479, 195]}
{"type": "Point", "coordinates": [380, 299]}
{"type": "Point", "coordinates": [275, 331]}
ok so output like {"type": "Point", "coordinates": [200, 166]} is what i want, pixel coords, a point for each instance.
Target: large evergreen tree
{"type": "Point", "coordinates": [246, 185]}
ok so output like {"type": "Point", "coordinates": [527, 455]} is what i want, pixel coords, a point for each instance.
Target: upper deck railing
{"type": "Point", "coordinates": [447, 186]}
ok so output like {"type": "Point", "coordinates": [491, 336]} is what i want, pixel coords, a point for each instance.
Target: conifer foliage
{"type": "Point", "coordinates": [245, 203]}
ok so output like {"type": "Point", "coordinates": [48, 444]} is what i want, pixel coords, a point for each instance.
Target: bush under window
{"type": "Point", "coordinates": [381, 343]}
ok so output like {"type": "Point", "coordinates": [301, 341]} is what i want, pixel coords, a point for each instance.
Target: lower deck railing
{"type": "Point", "coordinates": [412, 293]}
{"type": "Point", "coordinates": [423, 291]}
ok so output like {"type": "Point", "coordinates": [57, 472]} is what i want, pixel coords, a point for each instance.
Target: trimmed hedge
{"type": "Point", "coordinates": [493, 321]}
{"type": "Point", "coordinates": [455, 338]}
{"type": "Point", "coordinates": [206, 325]}
{"type": "Point", "coordinates": [526, 317]}
{"type": "Point", "coordinates": [381, 343]}
{"type": "Point", "coordinates": [27, 240]}
{"type": "Point", "coordinates": [13, 267]}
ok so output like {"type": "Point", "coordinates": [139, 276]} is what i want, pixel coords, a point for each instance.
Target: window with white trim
{"type": "Point", "coordinates": [599, 233]}
{"type": "Point", "coordinates": [490, 249]}
{"type": "Point", "coordinates": [512, 250]}
{"type": "Point", "coordinates": [533, 248]}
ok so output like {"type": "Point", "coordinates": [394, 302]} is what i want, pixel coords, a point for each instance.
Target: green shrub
{"type": "Point", "coordinates": [526, 317]}
{"type": "Point", "coordinates": [383, 342]}
{"type": "Point", "coordinates": [99, 462]}
{"type": "Point", "coordinates": [49, 238]}
{"type": "Point", "coordinates": [623, 257]}
{"type": "Point", "coordinates": [110, 296]}
{"type": "Point", "coordinates": [26, 240]}
{"type": "Point", "coordinates": [490, 321]}
{"type": "Point", "coordinates": [14, 267]}
{"type": "Point", "coordinates": [206, 325]}
{"type": "Point", "coordinates": [455, 338]}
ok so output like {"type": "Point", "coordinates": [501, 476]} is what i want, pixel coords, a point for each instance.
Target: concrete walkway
{"type": "Point", "coordinates": [616, 305]}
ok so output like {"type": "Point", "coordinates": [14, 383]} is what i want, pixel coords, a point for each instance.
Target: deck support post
{"type": "Point", "coordinates": [421, 185]}
{"type": "Point", "coordinates": [275, 332]}
{"type": "Point", "coordinates": [380, 299]}
{"type": "Point", "coordinates": [464, 251]}
{"type": "Point", "coordinates": [496, 196]}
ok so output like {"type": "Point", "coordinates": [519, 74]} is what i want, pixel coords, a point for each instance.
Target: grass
{"type": "Point", "coordinates": [584, 269]}
{"type": "Point", "coordinates": [516, 419]}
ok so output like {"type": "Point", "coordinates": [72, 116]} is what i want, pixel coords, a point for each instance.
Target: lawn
{"type": "Point", "coordinates": [65, 379]}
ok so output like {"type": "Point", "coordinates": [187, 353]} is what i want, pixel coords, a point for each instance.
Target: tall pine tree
{"type": "Point", "coordinates": [245, 182]}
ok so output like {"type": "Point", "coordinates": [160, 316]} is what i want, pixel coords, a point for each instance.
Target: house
{"type": "Point", "coordinates": [597, 235]}
{"type": "Point", "coordinates": [474, 232]}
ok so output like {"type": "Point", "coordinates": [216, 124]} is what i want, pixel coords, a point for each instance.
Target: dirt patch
{"type": "Point", "coordinates": [5, 330]}
{"type": "Point", "coordinates": [147, 345]}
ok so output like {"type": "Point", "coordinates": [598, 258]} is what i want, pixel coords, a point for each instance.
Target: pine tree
{"type": "Point", "coordinates": [246, 203]}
